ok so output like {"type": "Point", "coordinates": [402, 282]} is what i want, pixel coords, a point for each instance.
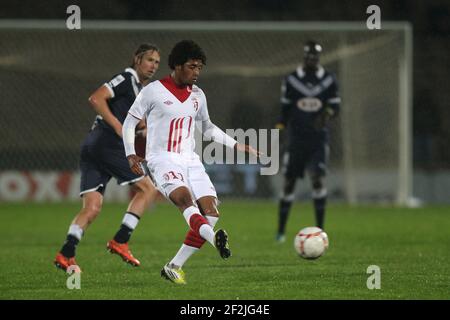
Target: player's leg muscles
{"type": "Point", "coordinates": [145, 194]}
{"type": "Point", "coordinates": [182, 198]}
{"type": "Point", "coordinates": [92, 205]}
{"type": "Point", "coordinates": [208, 206]}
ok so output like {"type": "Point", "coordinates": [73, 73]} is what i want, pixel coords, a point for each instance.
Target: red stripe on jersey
{"type": "Point", "coordinates": [175, 135]}
{"type": "Point", "coordinates": [180, 135]}
{"type": "Point", "coordinates": [169, 144]}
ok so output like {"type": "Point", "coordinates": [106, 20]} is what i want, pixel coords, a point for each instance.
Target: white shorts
{"type": "Point", "coordinates": [170, 171]}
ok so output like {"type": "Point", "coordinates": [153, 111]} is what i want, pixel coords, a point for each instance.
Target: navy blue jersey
{"type": "Point", "coordinates": [102, 152]}
{"type": "Point", "coordinates": [304, 96]}
{"type": "Point", "coordinates": [124, 88]}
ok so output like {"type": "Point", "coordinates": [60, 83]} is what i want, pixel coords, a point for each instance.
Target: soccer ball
{"type": "Point", "coordinates": [311, 242]}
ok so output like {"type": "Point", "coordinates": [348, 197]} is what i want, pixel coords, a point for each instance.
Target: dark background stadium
{"type": "Point", "coordinates": [430, 20]}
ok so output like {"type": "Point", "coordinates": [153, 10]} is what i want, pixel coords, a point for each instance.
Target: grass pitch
{"type": "Point", "coordinates": [411, 247]}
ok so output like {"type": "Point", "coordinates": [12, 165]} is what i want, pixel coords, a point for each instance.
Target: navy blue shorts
{"type": "Point", "coordinates": [102, 157]}
{"type": "Point", "coordinates": [306, 157]}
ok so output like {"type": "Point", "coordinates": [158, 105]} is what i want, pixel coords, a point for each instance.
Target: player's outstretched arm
{"type": "Point", "coordinates": [247, 149]}
{"type": "Point", "coordinates": [214, 133]}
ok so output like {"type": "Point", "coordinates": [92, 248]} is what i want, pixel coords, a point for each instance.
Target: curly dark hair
{"type": "Point", "coordinates": [185, 50]}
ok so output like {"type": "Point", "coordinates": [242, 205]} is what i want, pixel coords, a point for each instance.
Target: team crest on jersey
{"type": "Point", "coordinates": [309, 104]}
{"type": "Point", "coordinates": [195, 102]}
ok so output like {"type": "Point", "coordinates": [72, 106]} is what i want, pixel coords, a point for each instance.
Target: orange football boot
{"type": "Point", "coordinates": [63, 263]}
{"type": "Point", "coordinates": [122, 250]}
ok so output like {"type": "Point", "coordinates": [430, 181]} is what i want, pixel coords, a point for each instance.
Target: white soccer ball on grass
{"type": "Point", "coordinates": [311, 242]}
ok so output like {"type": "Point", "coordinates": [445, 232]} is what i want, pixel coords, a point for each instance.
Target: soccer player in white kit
{"type": "Point", "coordinates": [172, 107]}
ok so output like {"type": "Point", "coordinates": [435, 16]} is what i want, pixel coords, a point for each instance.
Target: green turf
{"type": "Point", "coordinates": [411, 246]}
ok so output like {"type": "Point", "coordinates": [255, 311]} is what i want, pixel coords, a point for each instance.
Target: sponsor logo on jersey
{"type": "Point", "coordinates": [309, 104]}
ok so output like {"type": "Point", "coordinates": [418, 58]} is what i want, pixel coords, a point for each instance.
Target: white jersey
{"type": "Point", "coordinates": [170, 121]}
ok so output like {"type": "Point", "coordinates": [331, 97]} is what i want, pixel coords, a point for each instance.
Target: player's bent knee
{"type": "Point", "coordinates": [91, 212]}
{"type": "Point", "coordinates": [208, 206]}
{"type": "Point", "coordinates": [92, 209]}
{"type": "Point", "coordinates": [182, 198]}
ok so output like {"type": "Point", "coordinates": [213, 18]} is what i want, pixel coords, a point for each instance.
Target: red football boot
{"type": "Point", "coordinates": [122, 250]}
{"type": "Point", "coordinates": [63, 263]}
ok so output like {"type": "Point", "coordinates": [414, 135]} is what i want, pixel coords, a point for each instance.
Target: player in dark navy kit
{"type": "Point", "coordinates": [309, 99]}
{"type": "Point", "coordinates": [103, 157]}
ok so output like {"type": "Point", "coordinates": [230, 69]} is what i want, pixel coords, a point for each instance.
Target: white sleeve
{"type": "Point", "coordinates": [212, 132]}
{"type": "Point", "coordinates": [140, 108]}
{"type": "Point", "coordinates": [209, 129]}
{"type": "Point", "coordinates": [129, 133]}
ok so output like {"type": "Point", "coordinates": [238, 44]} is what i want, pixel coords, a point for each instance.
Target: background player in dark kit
{"type": "Point", "coordinates": [309, 98]}
{"type": "Point", "coordinates": [103, 156]}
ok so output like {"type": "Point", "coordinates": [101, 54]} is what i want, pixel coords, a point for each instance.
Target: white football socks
{"type": "Point", "coordinates": [76, 231]}
{"type": "Point", "coordinates": [205, 230]}
{"type": "Point", "coordinates": [186, 251]}
{"type": "Point", "coordinates": [130, 220]}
